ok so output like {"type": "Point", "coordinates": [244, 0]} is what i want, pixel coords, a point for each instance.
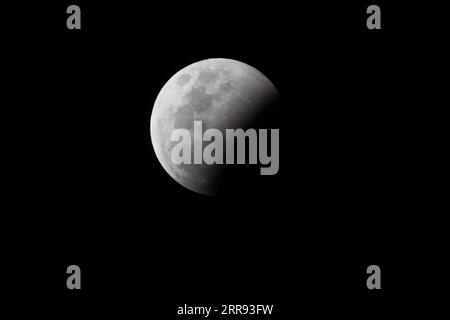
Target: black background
{"type": "Point", "coordinates": [360, 180]}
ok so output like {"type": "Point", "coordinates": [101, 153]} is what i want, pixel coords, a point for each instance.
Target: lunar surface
{"type": "Point", "coordinates": [223, 94]}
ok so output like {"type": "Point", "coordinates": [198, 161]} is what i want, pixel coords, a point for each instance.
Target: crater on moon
{"type": "Point", "coordinates": [183, 79]}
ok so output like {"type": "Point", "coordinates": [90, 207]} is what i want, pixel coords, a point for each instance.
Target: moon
{"type": "Point", "coordinates": [223, 94]}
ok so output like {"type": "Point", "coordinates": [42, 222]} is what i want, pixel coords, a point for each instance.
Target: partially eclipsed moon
{"type": "Point", "coordinates": [222, 93]}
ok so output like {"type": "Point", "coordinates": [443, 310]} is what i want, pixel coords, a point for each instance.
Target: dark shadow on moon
{"type": "Point", "coordinates": [241, 179]}
{"type": "Point", "coordinates": [226, 179]}
{"type": "Point", "coordinates": [233, 179]}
